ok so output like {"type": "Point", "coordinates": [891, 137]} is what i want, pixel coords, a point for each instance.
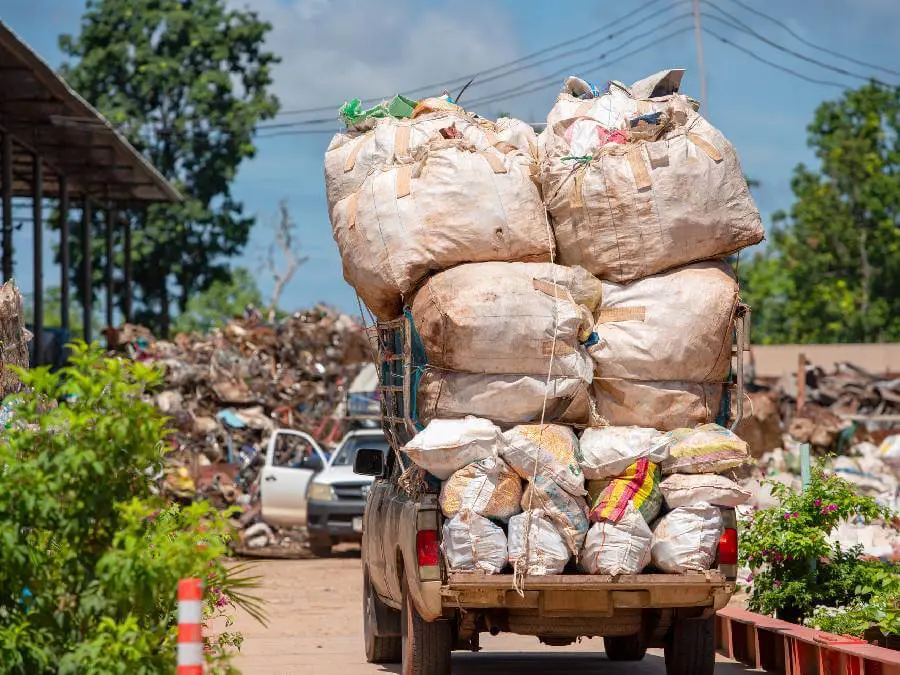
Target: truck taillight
{"type": "Point", "coordinates": [728, 547]}
{"type": "Point", "coordinates": [427, 548]}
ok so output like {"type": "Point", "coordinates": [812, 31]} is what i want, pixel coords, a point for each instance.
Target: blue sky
{"type": "Point", "coordinates": [333, 50]}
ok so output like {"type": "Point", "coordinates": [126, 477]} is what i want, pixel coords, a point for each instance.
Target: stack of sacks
{"type": "Point", "coordinates": [488, 332]}
{"type": "Point", "coordinates": [686, 538]}
{"type": "Point", "coordinates": [478, 489]}
{"type": "Point", "coordinates": [403, 193]}
{"type": "Point", "coordinates": [640, 189]}
{"type": "Point", "coordinates": [547, 457]}
{"type": "Point", "coordinates": [621, 465]}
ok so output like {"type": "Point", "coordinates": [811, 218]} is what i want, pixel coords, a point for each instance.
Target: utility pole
{"type": "Point", "coordinates": [701, 68]}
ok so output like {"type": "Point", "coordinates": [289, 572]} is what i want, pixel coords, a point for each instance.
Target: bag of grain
{"type": "Point", "coordinates": [618, 548]}
{"type": "Point", "coordinates": [472, 543]}
{"type": "Point", "coordinates": [686, 538]}
{"type": "Point", "coordinates": [607, 452]}
{"type": "Point", "coordinates": [637, 487]}
{"type": "Point", "coordinates": [545, 551]}
{"type": "Point", "coordinates": [445, 446]}
{"type": "Point", "coordinates": [409, 220]}
{"type": "Point", "coordinates": [686, 489]}
{"type": "Point", "coordinates": [708, 448]}
{"type": "Point", "coordinates": [567, 512]}
{"type": "Point", "coordinates": [549, 449]}
{"type": "Point", "coordinates": [487, 487]}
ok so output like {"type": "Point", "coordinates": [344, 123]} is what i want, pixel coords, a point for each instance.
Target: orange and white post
{"type": "Point", "coordinates": [190, 636]}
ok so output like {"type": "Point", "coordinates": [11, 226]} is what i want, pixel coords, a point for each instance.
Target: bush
{"type": "Point", "coordinates": [796, 568]}
{"type": "Point", "coordinates": [89, 556]}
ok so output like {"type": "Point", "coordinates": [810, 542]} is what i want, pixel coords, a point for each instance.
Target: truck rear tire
{"type": "Point", "coordinates": [690, 647]}
{"type": "Point", "coordinates": [625, 647]}
{"type": "Point", "coordinates": [426, 644]}
{"type": "Point", "coordinates": [379, 648]}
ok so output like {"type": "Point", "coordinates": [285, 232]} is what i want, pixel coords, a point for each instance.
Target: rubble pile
{"type": "Point", "coordinates": [226, 392]}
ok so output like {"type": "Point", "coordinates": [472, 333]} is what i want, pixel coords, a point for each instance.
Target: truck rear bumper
{"type": "Point", "coordinates": [579, 594]}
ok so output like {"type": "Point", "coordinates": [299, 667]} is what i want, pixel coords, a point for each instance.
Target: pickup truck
{"type": "Point", "coordinates": [416, 612]}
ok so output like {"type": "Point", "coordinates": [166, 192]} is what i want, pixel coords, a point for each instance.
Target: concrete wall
{"type": "Point", "coordinates": [775, 360]}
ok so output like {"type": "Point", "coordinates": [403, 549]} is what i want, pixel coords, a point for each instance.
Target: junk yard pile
{"type": "Point", "coordinates": [572, 318]}
{"type": "Point", "coordinates": [228, 391]}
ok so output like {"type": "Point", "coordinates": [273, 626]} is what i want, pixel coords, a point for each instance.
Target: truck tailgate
{"type": "Point", "coordinates": [569, 593]}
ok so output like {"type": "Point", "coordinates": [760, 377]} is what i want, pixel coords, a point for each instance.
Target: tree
{"type": "Point", "coordinates": [187, 81]}
{"type": "Point", "coordinates": [285, 234]}
{"type": "Point", "coordinates": [832, 270]}
{"type": "Point", "coordinates": [222, 301]}
{"type": "Point", "coordinates": [91, 556]}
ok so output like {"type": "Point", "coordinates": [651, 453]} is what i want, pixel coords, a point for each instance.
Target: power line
{"type": "Point", "coordinates": [743, 27]}
{"type": "Point", "coordinates": [759, 58]}
{"type": "Point", "coordinates": [514, 92]}
{"type": "Point", "coordinates": [812, 44]}
{"type": "Point", "coordinates": [462, 79]}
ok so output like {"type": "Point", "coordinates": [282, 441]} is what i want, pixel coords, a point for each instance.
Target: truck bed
{"type": "Point", "coordinates": [591, 593]}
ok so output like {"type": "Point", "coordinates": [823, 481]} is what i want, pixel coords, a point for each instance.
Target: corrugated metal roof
{"type": "Point", "coordinates": [42, 112]}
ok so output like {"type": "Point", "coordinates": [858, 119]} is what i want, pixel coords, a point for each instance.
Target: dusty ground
{"type": "Point", "coordinates": [316, 629]}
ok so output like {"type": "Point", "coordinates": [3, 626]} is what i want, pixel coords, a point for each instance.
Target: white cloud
{"type": "Point", "coordinates": [333, 50]}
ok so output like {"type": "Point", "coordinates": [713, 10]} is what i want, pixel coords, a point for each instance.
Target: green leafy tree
{"type": "Point", "coordinates": [187, 81]}
{"type": "Point", "coordinates": [90, 558]}
{"type": "Point", "coordinates": [222, 301]}
{"type": "Point", "coordinates": [831, 272]}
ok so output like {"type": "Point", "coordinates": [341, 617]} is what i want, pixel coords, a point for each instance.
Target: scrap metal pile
{"type": "Point", "coordinates": [227, 391]}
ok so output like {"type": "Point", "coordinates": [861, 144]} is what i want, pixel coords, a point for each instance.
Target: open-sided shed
{"type": "Point", "coordinates": [55, 145]}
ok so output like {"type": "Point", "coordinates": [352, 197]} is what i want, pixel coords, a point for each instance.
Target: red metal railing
{"type": "Point", "coordinates": [777, 646]}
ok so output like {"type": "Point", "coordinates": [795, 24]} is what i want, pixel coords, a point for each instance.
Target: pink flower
{"type": "Point", "coordinates": [787, 516]}
{"type": "Point", "coordinates": [818, 502]}
{"type": "Point", "coordinates": [776, 584]}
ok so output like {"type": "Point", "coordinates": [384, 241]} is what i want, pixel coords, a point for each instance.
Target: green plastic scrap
{"type": "Point", "coordinates": [399, 107]}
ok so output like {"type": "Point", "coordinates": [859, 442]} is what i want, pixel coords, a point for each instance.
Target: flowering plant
{"type": "Point", "coordinates": [795, 565]}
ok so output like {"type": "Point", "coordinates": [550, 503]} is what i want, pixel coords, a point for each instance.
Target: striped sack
{"type": "Point", "coordinates": [638, 485]}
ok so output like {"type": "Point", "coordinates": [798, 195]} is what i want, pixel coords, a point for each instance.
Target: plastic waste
{"type": "Point", "coordinates": [618, 548]}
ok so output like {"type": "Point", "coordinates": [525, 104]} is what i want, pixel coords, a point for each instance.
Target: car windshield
{"type": "Point", "coordinates": [347, 452]}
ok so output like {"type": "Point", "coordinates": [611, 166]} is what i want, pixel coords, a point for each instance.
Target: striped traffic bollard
{"type": "Point", "coordinates": [190, 638]}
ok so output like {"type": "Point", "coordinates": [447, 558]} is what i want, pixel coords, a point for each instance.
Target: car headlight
{"type": "Point", "coordinates": [321, 492]}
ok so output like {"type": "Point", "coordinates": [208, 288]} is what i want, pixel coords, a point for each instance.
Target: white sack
{"type": "Point", "coordinates": [644, 206]}
{"type": "Point", "coordinates": [607, 451]}
{"type": "Point", "coordinates": [618, 548]}
{"type": "Point", "coordinates": [352, 155]}
{"type": "Point", "coordinates": [568, 513]}
{"type": "Point", "coordinates": [686, 538]}
{"type": "Point", "coordinates": [501, 318]}
{"type": "Point", "coordinates": [487, 487]}
{"type": "Point", "coordinates": [550, 449]}
{"type": "Point", "coordinates": [546, 551]}
{"type": "Point", "coordinates": [472, 543]}
{"type": "Point", "coordinates": [685, 490]}
{"type": "Point", "coordinates": [672, 326]}
{"type": "Point", "coordinates": [663, 405]}
{"type": "Point", "coordinates": [445, 446]}
{"type": "Point", "coordinates": [409, 220]}
{"type": "Point", "coordinates": [507, 400]}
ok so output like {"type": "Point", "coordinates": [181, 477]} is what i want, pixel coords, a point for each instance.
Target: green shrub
{"type": "Point", "coordinates": [796, 568]}
{"type": "Point", "coordinates": [90, 558]}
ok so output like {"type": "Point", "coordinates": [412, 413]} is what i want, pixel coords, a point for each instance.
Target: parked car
{"type": "Point", "coordinates": [337, 496]}
{"type": "Point", "coordinates": [292, 459]}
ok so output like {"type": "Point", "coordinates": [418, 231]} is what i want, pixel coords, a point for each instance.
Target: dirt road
{"type": "Point", "coordinates": [316, 629]}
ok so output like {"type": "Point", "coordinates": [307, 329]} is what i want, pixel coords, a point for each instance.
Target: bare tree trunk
{"type": "Point", "coordinates": [164, 310]}
{"type": "Point", "coordinates": [866, 273]}
{"type": "Point", "coordinates": [13, 338]}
